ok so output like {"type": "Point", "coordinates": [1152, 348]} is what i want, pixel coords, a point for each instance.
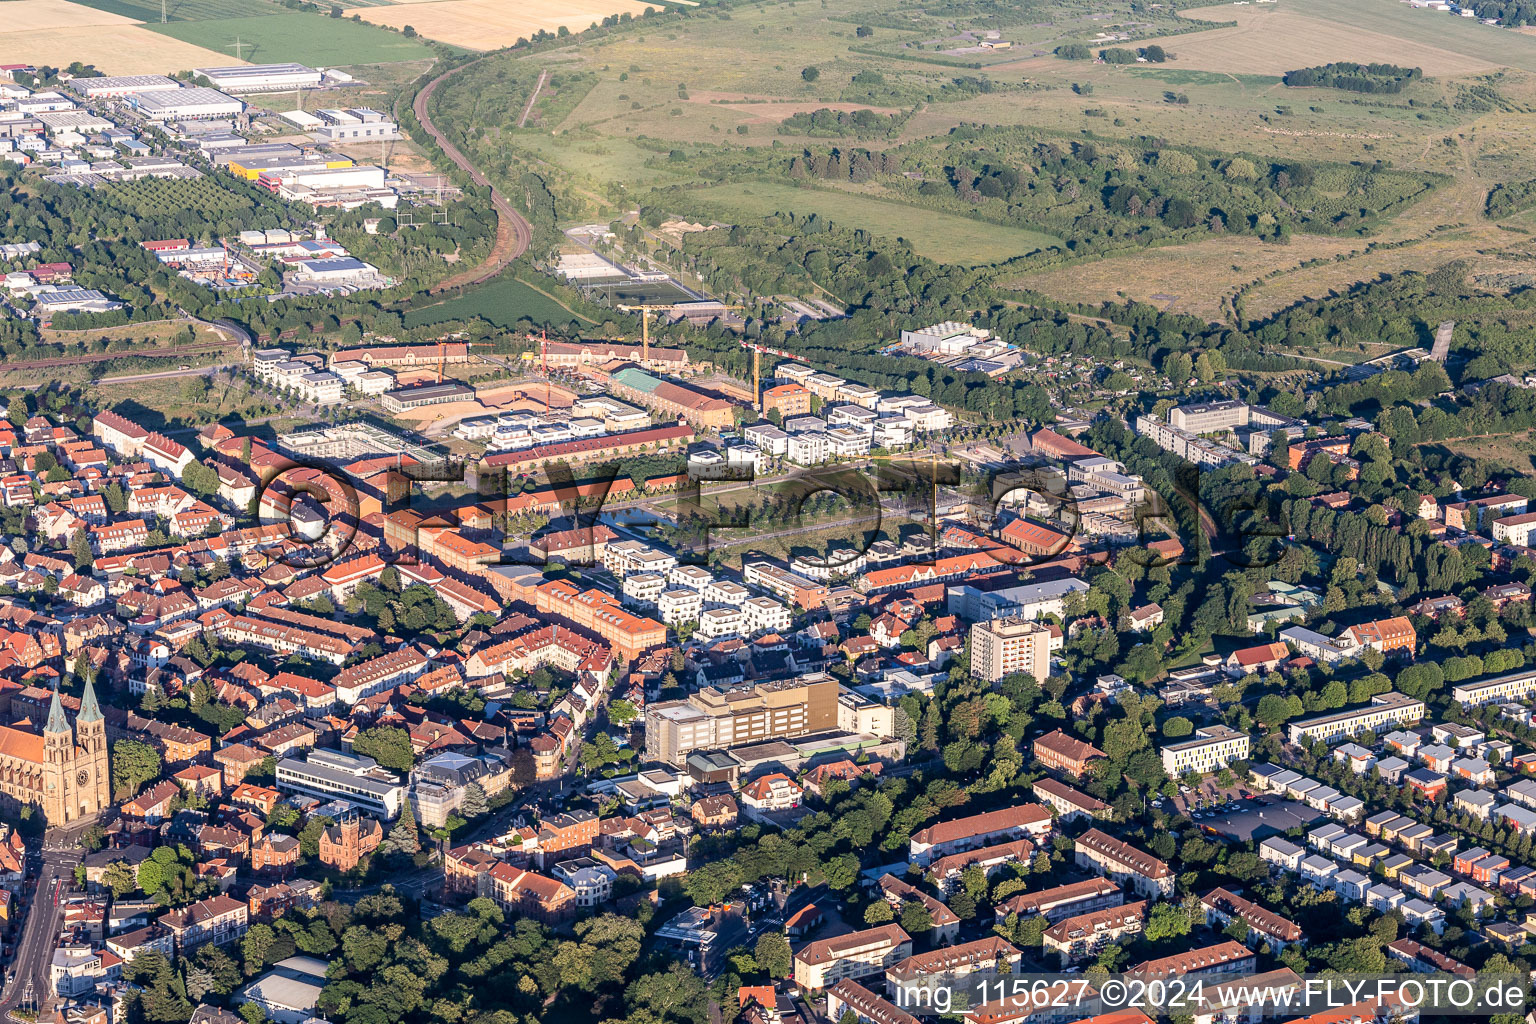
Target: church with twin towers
{"type": "Point", "coordinates": [62, 769]}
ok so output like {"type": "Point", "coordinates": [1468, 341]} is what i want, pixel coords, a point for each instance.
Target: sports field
{"type": "Point", "coordinates": [305, 38]}
{"type": "Point", "coordinates": [503, 302]}
{"type": "Point", "coordinates": [57, 33]}
{"type": "Point", "coordinates": [490, 24]}
{"type": "Point", "coordinates": [939, 236]}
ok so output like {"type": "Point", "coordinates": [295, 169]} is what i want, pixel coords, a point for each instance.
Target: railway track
{"type": "Point", "coordinates": [103, 357]}
{"type": "Point", "coordinates": [513, 232]}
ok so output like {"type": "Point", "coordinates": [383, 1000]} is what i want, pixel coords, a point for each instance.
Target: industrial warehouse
{"type": "Point", "coordinates": [262, 77]}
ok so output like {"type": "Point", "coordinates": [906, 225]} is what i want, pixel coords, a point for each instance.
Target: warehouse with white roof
{"type": "Point", "coordinates": [116, 86]}
{"type": "Point", "coordinates": [261, 77]}
{"type": "Point", "coordinates": [196, 103]}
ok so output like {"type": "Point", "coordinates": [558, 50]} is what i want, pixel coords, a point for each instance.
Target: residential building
{"type": "Point", "coordinates": [938, 840]}
{"type": "Point", "coordinates": [1212, 748]}
{"type": "Point", "coordinates": [1003, 647]}
{"type": "Point", "coordinates": [848, 995]}
{"type": "Point", "coordinates": [1105, 855]}
{"type": "Point", "coordinates": [1061, 752]}
{"type": "Point", "coordinates": [524, 893]}
{"type": "Point", "coordinates": [1085, 935]}
{"type": "Point", "coordinates": [1385, 712]}
{"type": "Point", "coordinates": [1063, 901]}
{"type": "Point", "coordinates": [1222, 958]}
{"type": "Point", "coordinates": [855, 955]}
{"type": "Point", "coordinates": [1068, 803]}
{"type": "Point", "coordinates": [1264, 926]}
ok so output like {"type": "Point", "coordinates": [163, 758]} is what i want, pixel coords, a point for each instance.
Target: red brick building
{"type": "Point", "coordinates": [1065, 753]}
{"type": "Point", "coordinates": [346, 843]}
{"type": "Point", "coordinates": [526, 894]}
{"type": "Point", "coordinates": [275, 856]}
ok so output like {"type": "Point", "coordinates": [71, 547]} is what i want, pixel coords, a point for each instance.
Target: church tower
{"type": "Point", "coordinates": [58, 759]}
{"type": "Point", "coordinates": [91, 734]}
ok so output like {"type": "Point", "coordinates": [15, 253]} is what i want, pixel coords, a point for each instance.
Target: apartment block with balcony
{"type": "Point", "coordinates": [1212, 748]}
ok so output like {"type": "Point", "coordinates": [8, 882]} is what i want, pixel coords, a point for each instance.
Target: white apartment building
{"type": "Point", "coordinates": [643, 588]}
{"type": "Point", "coordinates": [893, 432]}
{"type": "Point", "coordinates": [1386, 711]}
{"type": "Point", "coordinates": [1212, 748]}
{"type": "Point", "coordinates": [677, 605]}
{"type": "Point", "coordinates": [1516, 530]}
{"type": "Point", "coordinates": [848, 442]}
{"type": "Point", "coordinates": [740, 456]}
{"type": "Point", "coordinates": [322, 388]}
{"type": "Point", "coordinates": [764, 614]}
{"type": "Point", "coordinates": [1514, 687]}
{"type": "Point", "coordinates": [374, 382]}
{"type": "Point", "coordinates": [691, 576]}
{"type": "Point", "coordinates": [718, 622]}
{"type": "Point", "coordinates": [626, 556]}
{"type": "Point", "coordinates": [1209, 417]}
{"type": "Point", "coordinates": [929, 417]}
{"type": "Point", "coordinates": [767, 437]}
{"type": "Point", "coordinates": [860, 417]}
{"type": "Point", "coordinates": [726, 592]}
{"type": "Point", "coordinates": [810, 449]}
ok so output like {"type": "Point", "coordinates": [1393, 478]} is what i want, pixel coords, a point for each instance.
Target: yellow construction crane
{"type": "Point", "coordinates": [757, 370]}
{"type": "Point", "coordinates": [645, 310]}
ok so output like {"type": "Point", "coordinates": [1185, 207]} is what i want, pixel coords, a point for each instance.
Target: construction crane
{"type": "Point", "coordinates": [645, 310]}
{"type": "Point", "coordinates": [442, 353]}
{"type": "Point", "coordinates": [757, 370]}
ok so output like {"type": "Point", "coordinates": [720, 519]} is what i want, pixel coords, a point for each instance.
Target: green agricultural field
{"type": "Point", "coordinates": [305, 38]}
{"type": "Point", "coordinates": [945, 237]}
{"type": "Point", "coordinates": [186, 10]}
{"type": "Point", "coordinates": [503, 302]}
{"type": "Point", "coordinates": [1171, 76]}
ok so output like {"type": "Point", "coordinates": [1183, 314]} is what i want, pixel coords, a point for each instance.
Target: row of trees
{"type": "Point", "coordinates": [1352, 77]}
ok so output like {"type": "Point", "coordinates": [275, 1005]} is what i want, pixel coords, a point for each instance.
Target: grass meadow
{"type": "Point", "coordinates": [503, 302]}
{"type": "Point", "coordinates": [944, 237]}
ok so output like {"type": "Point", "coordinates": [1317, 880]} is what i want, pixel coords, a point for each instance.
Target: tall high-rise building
{"type": "Point", "coordinates": [1001, 647]}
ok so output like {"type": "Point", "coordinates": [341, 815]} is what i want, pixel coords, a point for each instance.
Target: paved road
{"type": "Point", "coordinates": [29, 979]}
{"type": "Point", "coordinates": [513, 232]}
